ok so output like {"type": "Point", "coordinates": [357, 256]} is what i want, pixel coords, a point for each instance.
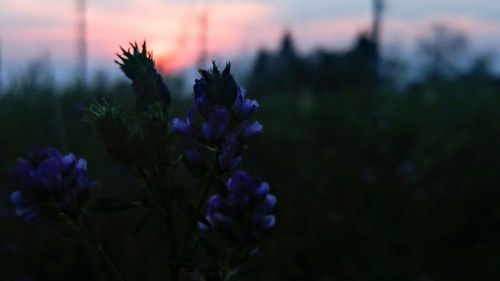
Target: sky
{"type": "Point", "coordinates": [30, 29]}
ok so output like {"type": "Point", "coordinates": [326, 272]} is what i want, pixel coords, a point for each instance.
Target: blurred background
{"type": "Point", "coordinates": [381, 127]}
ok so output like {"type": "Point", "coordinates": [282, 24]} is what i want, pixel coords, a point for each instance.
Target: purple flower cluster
{"type": "Point", "coordinates": [49, 182]}
{"type": "Point", "coordinates": [243, 211]}
{"type": "Point", "coordinates": [225, 113]}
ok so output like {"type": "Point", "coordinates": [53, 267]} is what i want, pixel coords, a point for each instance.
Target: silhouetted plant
{"type": "Point", "coordinates": [55, 187]}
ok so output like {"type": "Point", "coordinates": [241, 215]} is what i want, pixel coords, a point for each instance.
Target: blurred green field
{"type": "Point", "coordinates": [370, 185]}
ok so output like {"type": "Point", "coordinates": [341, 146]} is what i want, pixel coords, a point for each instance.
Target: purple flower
{"type": "Point", "coordinates": [49, 182]}
{"type": "Point", "coordinates": [231, 150]}
{"type": "Point", "coordinates": [243, 108]}
{"type": "Point", "coordinates": [251, 131]}
{"type": "Point", "coordinates": [217, 124]}
{"type": "Point", "coordinates": [200, 99]}
{"type": "Point", "coordinates": [244, 211]}
{"type": "Point", "coordinates": [224, 110]}
{"type": "Point", "coordinates": [182, 128]}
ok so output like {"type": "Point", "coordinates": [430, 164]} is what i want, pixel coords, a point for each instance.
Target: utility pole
{"type": "Point", "coordinates": [378, 10]}
{"type": "Point", "coordinates": [1, 65]}
{"type": "Point", "coordinates": [81, 31]}
{"type": "Point", "coordinates": [203, 37]}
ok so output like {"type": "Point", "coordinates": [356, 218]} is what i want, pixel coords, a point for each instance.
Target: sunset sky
{"type": "Point", "coordinates": [32, 28]}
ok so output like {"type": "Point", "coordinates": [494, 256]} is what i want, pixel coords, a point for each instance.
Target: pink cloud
{"type": "Point", "coordinates": [172, 29]}
{"type": "Point", "coordinates": [46, 10]}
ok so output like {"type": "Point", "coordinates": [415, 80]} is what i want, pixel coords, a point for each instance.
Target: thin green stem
{"type": "Point", "coordinates": [98, 246]}
{"type": "Point", "coordinates": [82, 230]}
{"type": "Point", "coordinates": [109, 262]}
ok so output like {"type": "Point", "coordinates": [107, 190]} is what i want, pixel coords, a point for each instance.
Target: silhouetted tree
{"type": "Point", "coordinates": [442, 50]}
{"type": "Point", "coordinates": [288, 66]}
{"type": "Point", "coordinates": [259, 74]}
{"type": "Point", "coordinates": [359, 66]}
{"type": "Point", "coordinates": [282, 71]}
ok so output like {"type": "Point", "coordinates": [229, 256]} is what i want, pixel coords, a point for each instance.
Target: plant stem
{"type": "Point", "coordinates": [82, 230]}
{"type": "Point", "coordinates": [149, 191]}
{"type": "Point", "coordinates": [203, 198]}
{"type": "Point", "coordinates": [104, 256]}
{"type": "Point", "coordinates": [109, 262]}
